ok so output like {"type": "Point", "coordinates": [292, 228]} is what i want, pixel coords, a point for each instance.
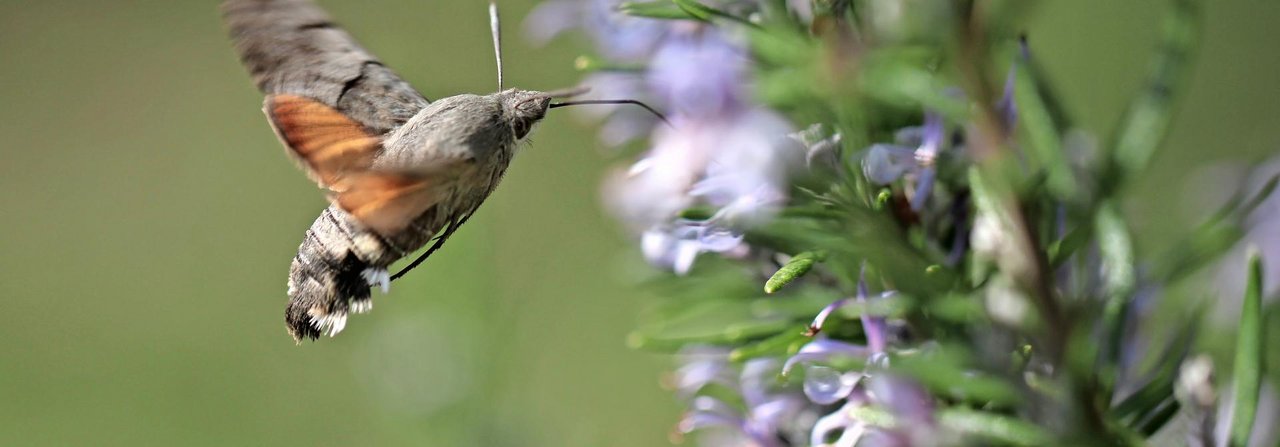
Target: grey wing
{"type": "Point", "coordinates": [292, 47]}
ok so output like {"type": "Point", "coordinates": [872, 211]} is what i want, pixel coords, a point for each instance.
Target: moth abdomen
{"type": "Point", "coordinates": [332, 273]}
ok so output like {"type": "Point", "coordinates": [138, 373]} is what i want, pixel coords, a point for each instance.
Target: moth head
{"type": "Point", "coordinates": [523, 109]}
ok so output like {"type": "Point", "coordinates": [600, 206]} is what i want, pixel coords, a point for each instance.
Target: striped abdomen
{"type": "Point", "coordinates": [336, 264]}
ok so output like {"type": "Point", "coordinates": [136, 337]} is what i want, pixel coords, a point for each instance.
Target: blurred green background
{"type": "Point", "coordinates": [150, 216]}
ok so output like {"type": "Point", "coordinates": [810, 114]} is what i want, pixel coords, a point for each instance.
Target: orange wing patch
{"type": "Point", "coordinates": [329, 145]}
{"type": "Point", "coordinates": [337, 152]}
{"type": "Point", "coordinates": [387, 203]}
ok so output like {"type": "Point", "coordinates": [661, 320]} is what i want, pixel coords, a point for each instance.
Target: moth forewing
{"type": "Point", "coordinates": [325, 142]}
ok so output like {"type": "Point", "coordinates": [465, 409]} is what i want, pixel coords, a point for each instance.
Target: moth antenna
{"type": "Point", "coordinates": [614, 101]}
{"type": "Point", "coordinates": [496, 28]}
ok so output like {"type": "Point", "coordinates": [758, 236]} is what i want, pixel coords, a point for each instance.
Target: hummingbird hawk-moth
{"type": "Point", "coordinates": [399, 170]}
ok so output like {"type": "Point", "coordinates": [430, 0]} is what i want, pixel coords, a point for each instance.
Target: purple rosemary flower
{"type": "Point", "coordinates": [701, 366]}
{"type": "Point", "coordinates": [746, 178]}
{"type": "Point", "coordinates": [617, 36]}
{"type": "Point", "coordinates": [823, 350]}
{"type": "Point", "coordinates": [620, 39]}
{"type": "Point", "coordinates": [721, 152]}
{"type": "Point", "coordinates": [675, 246]}
{"type": "Point", "coordinates": [912, 157]}
{"type": "Point", "coordinates": [700, 75]}
{"type": "Point", "coordinates": [850, 430]}
{"type": "Point", "coordinates": [1006, 106]}
{"type": "Point", "coordinates": [825, 385]}
{"type": "Point", "coordinates": [760, 421]}
{"type": "Point", "coordinates": [875, 328]}
{"type": "Point", "coordinates": [872, 326]}
{"type": "Point", "coordinates": [914, 154]}
{"type": "Point", "coordinates": [911, 406]}
{"type": "Point", "coordinates": [738, 162]}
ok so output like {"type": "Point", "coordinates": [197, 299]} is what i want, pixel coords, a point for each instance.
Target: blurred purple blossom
{"type": "Point", "coordinates": [675, 246]}
{"type": "Point", "coordinates": [823, 384]}
{"type": "Point", "coordinates": [700, 75]}
{"type": "Point", "coordinates": [820, 320]}
{"type": "Point", "coordinates": [914, 153]}
{"type": "Point", "coordinates": [909, 404]}
{"type": "Point", "coordinates": [766, 406]}
{"type": "Point", "coordinates": [701, 366]}
{"type": "Point", "coordinates": [913, 157]}
{"type": "Point", "coordinates": [738, 164]}
{"type": "Point", "coordinates": [873, 326]}
{"type": "Point", "coordinates": [619, 39]}
{"type": "Point", "coordinates": [1006, 106]}
{"type": "Point", "coordinates": [617, 36]}
{"type": "Point", "coordinates": [824, 349]}
{"type": "Point", "coordinates": [722, 151]}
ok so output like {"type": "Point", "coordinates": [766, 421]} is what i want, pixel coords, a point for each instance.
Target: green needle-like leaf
{"type": "Point", "coordinates": [694, 9]}
{"type": "Point", "coordinates": [1153, 404]}
{"type": "Point", "coordinates": [1045, 142]}
{"type": "Point", "coordinates": [1146, 122]}
{"type": "Point", "coordinates": [989, 426]}
{"type": "Point", "coordinates": [939, 371]}
{"type": "Point", "coordinates": [1248, 366]}
{"type": "Point", "coordinates": [992, 426]}
{"type": "Point", "coordinates": [655, 10]}
{"type": "Point", "coordinates": [1212, 238]}
{"type": "Point", "coordinates": [706, 13]}
{"type": "Point", "coordinates": [1062, 249]}
{"type": "Point", "coordinates": [903, 77]}
{"type": "Point", "coordinates": [1119, 278]}
{"type": "Point", "coordinates": [784, 343]}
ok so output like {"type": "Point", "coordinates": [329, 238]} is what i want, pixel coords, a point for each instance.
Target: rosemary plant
{"type": "Point", "coordinates": [880, 226]}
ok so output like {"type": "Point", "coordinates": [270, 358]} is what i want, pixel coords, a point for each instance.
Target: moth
{"type": "Point", "coordinates": [399, 170]}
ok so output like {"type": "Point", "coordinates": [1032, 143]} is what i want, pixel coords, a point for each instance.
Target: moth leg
{"type": "Point", "coordinates": [453, 226]}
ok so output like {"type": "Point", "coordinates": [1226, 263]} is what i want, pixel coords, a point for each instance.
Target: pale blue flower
{"type": "Point", "coordinates": [677, 245]}
{"type": "Point", "coordinates": [700, 75]}
{"type": "Point", "coordinates": [759, 421]}
{"type": "Point", "coordinates": [887, 163]}
{"type": "Point", "coordinates": [617, 36]}
{"type": "Point", "coordinates": [739, 163]}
